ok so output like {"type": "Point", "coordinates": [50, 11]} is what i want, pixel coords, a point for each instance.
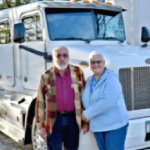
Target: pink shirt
{"type": "Point", "coordinates": [65, 94]}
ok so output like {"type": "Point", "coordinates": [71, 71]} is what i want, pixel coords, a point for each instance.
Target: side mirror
{"type": "Point", "coordinates": [145, 35]}
{"type": "Point", "coordinates": [19, 33]}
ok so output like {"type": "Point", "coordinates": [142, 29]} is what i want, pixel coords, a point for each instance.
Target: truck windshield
{"type": "Point", "coordinates": [84, 24]}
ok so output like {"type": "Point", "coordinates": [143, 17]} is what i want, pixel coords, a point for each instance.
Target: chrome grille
{"type": "Point", "coordinates": [142, 88]}
{"type": "Point", "coordinates": [136, 87]}
{"type": "Point", "coordinates": [125, 79]}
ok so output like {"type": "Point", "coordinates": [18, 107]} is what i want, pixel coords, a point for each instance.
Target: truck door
{"type": "Point", "coordinates": [32, 66]}
{"type": "Point", "coordinates": [6, 54]}
{"type": "Point", "coordinates": [7, 113]}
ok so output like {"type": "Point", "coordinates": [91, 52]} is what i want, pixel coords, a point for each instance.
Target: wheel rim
{"type": "Point", "coordinates": [39, 143]}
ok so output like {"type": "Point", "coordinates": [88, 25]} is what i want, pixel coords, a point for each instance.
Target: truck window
{"type": "Point", "coordinates": [5, 34]}
{"type": "Point", "coordinates": [86, 24]}
{"type": "Point", "coordinates": [33, 28]}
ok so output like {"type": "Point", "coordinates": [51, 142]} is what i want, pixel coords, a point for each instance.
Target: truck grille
{"type": "Point", "coordinates": [136, 87]}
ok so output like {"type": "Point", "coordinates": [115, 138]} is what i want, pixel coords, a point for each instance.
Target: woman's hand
{"type": "Point", "coordinates": [84, 119]}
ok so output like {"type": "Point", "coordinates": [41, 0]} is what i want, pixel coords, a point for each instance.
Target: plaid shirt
{"type": "Point", "coordinates": [46, 106]}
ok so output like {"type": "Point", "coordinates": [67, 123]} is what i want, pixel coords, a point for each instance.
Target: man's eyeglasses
{"type": "Point", "coordinates": [65, 55]}
{"type": "Point", "coordinates": [96, 62]}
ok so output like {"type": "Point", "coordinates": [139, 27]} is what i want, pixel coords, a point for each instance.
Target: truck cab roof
{"type": "Point", "coordinates": [64, 4]}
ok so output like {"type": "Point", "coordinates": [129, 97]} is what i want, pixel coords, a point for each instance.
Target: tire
{"type": "Point", "coordinates": [37, 142]}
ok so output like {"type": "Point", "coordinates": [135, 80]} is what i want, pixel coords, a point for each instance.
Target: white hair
{"type": "Point", "coordinates": [58, 48]}
{"type": "Point", "coordinates": [95, 53]}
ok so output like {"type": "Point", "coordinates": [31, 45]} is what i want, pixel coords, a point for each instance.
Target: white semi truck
{"type": "Point", "coordinates": [82, 27]}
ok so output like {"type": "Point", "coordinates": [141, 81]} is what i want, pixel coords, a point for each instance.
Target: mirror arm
{"type": "Point", "coordinates": [44, 54]}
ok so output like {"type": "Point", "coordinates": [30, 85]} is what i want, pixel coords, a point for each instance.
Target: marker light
{"type": "Point", "coordinates": [17, 118]}
{"type": "Point", "coordinates": [5, 112]}
{"type": "Point", "coordinates": [72, 0]}
{"type": "Point", "coordinates": [108, 3]}
{"type": "Point", "coordinates": [90, 1]}
{"type": "Point", "coordinates": [85, 1]}
{"type": "Point", "coordinates": [96, 2]}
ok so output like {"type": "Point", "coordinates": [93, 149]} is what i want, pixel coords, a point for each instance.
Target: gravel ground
{"type": "Point", "coordinates": [7, 143]}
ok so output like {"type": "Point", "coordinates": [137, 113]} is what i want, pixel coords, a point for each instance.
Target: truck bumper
{"type": "Point", "coordinates": [135, 138]}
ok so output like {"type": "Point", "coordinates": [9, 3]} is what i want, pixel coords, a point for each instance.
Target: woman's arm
{"type": "Point", "coordinates": [108, 99]}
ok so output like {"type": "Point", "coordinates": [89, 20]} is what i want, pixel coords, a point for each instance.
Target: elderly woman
{"type": "Point", "coordinates": [104, 106]}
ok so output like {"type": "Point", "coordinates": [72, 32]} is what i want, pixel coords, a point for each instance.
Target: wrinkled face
{"type": "Point", "coordinates": [97, 64]}
{"type": "Point", "coordinates": [61, 58]}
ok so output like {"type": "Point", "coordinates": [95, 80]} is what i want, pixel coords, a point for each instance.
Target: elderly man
{"type": "Point", "coordinates": [58, 105]}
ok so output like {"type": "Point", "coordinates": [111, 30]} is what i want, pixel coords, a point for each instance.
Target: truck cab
{"type": "Point", "coordinates": [82, 27]}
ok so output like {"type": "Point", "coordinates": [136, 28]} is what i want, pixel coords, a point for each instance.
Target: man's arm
{"type": "Point", "coordinates": [85, 125]}
{"type": "Point", "coordinates": [83, 80]}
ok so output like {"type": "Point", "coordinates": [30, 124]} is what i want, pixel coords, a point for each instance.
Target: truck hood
{"type": "Point", "coordinates": [118, 56]}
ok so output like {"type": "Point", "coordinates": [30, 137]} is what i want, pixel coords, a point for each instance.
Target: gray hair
{"type": "Point", "coordinates": [95, 53]}
{"type": "Point", "coordinates": [58, 48]}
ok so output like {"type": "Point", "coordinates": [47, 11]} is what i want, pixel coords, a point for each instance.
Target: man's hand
{"type": "Point", "coordinates": [84, 119]}
{"type": "Point", "coordinates": [85, 128]}
{"type": "Point", "coordinates": [42, 133]}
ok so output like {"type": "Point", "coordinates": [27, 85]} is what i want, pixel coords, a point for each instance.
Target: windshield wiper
{"type": "Point", "coordinates": [108, 38]}
{"type": "Point", "coordinates": [72, 38]}
{"type": "Point", "coordinates": [112, 38]}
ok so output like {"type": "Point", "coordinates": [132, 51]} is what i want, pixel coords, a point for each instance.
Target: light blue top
{"type": "Point", "coordinates": [105, 106]}
{"type": "Point", "coordinates": [95, 82]}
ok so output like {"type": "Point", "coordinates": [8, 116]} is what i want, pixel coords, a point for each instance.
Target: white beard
{"type": "Point", "coordinates": [60, 67]}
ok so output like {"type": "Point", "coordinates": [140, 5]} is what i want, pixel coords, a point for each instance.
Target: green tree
{"type": "Point", "coordinates": [9, 3]}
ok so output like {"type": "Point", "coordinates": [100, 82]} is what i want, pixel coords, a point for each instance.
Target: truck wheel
{"type": "Point", "coordinates": [37, 142]}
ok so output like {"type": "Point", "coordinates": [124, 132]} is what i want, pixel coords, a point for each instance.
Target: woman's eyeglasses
{"type": "Point", "coordinates": [96, 62]}
{"type": "Point", "coordinates": [65, 55]}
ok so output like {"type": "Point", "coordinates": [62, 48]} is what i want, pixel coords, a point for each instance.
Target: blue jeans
{"type": "Point", "coordinates": [65, 130]}
{"type": "Point", "coordinates": [111, 140]}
